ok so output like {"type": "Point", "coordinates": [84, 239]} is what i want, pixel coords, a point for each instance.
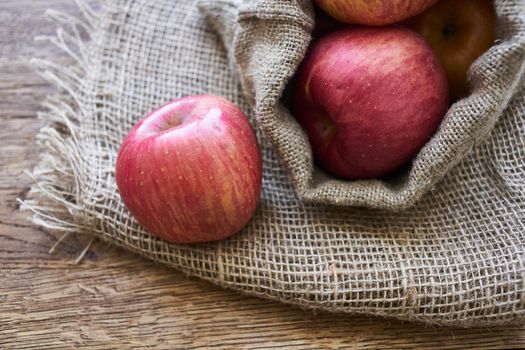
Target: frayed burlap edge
{"type": "Point", "coordinates": [56, 179]}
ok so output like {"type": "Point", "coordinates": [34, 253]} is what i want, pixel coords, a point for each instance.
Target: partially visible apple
{"type": "Point", "coordinates": [190, 171]}
{"type": "Point", "coordinates": [374, 12]}
{"type": "Point", "coordinates": [369, 99]}
{"type": "Point", "coordinates": [459, 31]}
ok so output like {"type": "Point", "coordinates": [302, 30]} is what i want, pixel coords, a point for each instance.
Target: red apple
{"type": "Point", "coordinates": [459, 32]}
{"type": "Point", "coordinates": [190, 171]}
{"type": "Point", "coordinates": [369, 99]}
{"type": "Point", "coordinates": [374, 12]}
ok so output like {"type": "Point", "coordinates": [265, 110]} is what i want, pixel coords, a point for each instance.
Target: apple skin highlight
{"type": "Point", "coordinates": [369, 99]}
{"type": "Point", "coordinates": [191, 170]}
{"type": "Point", "coordinates": [374, 12]}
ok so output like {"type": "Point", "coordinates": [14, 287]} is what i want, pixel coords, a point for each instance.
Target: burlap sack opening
{"type": "Point", "coordinates": [457, 258]}
{"type": "Point", "coordinates": [267, 40]}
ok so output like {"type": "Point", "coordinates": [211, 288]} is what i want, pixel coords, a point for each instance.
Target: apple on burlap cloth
{"type": "Point", "coordinates": [454, 255]}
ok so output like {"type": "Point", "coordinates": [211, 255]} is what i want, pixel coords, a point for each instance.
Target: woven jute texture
{"type": "Point", "coordinates": [455, 257]}
{"type": "Point", "coordinates": [267, 40]}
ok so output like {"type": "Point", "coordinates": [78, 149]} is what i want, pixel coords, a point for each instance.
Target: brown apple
{"type": "Point", "coordinates": [459, 32]}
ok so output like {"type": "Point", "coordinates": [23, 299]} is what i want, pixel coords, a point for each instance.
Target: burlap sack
{"type": "Point", "coordinates": [455, 258]}
{"type": "Point", "coordinates": [267, 39]}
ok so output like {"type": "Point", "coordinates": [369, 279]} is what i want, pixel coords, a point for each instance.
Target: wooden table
{"type": "Point", "coordinates": [116, 299]}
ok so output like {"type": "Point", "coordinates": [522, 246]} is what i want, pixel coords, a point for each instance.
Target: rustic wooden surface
{"type": "Point", "coordinates": [113, 299]}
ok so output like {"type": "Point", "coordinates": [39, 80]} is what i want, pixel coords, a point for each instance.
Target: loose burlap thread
{"type": "Point", "coordinates": [455, 257]}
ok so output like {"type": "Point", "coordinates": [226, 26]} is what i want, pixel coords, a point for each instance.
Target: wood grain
{"type": "Point", "coordinates": [114, 299]}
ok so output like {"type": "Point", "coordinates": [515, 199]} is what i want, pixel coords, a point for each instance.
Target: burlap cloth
{"type": "Point", "coordinates": [454, 257]}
